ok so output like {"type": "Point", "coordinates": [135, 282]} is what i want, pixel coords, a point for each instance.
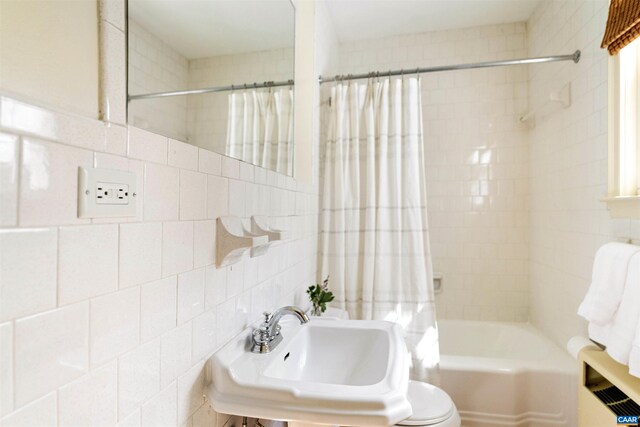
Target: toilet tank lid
{"type": "Point", "coordinates": [430, 405]}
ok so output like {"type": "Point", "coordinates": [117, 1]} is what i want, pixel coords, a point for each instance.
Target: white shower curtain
{"type": "Point", "coordinates": [375, 244]}
{"type": "Point", "coordinates": [260, 128]}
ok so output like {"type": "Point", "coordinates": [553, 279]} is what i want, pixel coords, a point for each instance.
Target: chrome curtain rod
{"type": "Point", "coordinates": [575, 57]}
{"type": "Point", "coordinates": [211, 90]}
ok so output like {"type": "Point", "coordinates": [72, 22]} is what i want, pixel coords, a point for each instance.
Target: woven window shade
{"type": "Point", "coordinates": [623, 25]}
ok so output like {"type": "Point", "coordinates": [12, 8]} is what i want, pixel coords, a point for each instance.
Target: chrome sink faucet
{"type": "Point", "coordinates": [267, 336]}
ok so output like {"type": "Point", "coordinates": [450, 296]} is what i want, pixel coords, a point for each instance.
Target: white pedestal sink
{"type": "Point", "coordinates": [344, 372]}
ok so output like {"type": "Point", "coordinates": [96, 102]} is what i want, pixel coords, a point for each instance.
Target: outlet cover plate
{"type": "Point", "coordinates": [105, 193]}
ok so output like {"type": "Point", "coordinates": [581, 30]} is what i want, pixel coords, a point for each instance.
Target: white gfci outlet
{"type": "Point", "coordinates": [104, 193]}
{"type": "Point", "coordinates": [112, 193]}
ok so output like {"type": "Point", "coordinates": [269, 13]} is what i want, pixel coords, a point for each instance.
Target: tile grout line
{"type": "Point", "coordinates": [58, 405]}
{"type": "Point", "coordinates": [58, 230]}
{"type": "Point", "coordinates": [19, 156]}
{"type": "Point", "coordinates": [13, 366]}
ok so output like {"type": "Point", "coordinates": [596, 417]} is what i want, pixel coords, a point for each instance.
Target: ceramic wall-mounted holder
{"type": "Point", "coordinates": [259, 226]}
{"type": "Point", "coordinates": [233, 240]}
{"type": "Point", "coordinates": [561, 98]}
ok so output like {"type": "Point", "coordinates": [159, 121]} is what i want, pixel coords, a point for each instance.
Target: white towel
{"type": "Point", "coordinates": [607, 282]}
{"type": "Point", "coordinates": [619, 334]}
{"type": "Point", "coordinates": [634, 357]}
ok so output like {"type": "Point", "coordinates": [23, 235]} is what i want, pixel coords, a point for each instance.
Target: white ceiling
{"type": "Point", "coordinates": [370, 19]}
{"type": "Point", "coordinates": [203, 28]}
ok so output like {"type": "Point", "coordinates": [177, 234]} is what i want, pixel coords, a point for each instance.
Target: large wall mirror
{"type": "Point", "coordinates": [217, 74]}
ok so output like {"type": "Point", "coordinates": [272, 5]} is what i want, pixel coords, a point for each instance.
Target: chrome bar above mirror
{"type": "Point", "coordinates": [230, 88]}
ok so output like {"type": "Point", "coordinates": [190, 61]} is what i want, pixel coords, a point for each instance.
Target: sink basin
{"type": "Point", "coordinates": [333, 355]}
{"type": "Point", "coordinates": [344, 372]}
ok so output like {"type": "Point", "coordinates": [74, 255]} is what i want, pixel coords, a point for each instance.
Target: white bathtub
{"type": "Point", "coordinates": [506, 374]}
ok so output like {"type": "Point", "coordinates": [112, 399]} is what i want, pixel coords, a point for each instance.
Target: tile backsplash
{"type": "Point", "coordinates": [127, 310]}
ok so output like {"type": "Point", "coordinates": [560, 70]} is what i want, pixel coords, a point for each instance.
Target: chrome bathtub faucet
{"type": "Point", "coordinates": [267, 336]}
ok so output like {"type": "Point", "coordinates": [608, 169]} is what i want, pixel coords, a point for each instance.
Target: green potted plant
{"type": "Point", "coordinates": [320, 295]}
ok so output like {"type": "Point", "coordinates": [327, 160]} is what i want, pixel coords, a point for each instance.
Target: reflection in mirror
{"type": "Point", "coordinates": [215, 73]}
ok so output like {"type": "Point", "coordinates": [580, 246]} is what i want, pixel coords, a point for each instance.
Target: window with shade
{"type": "Point", "coordinates": [625, 127]}
{"type": "Point", "coordinates": [622, 40]}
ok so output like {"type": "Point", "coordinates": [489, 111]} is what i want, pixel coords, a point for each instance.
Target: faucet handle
{"type": "Point", "coordinates": [260, 335]}
{"type": "Point", "coordinates": [271, 329]}
{"type": "Point", "coordinates": [260, 341]}
{"type": "Point", "coordinates": [267, 336]}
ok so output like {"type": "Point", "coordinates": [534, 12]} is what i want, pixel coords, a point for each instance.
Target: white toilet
{"type": "Point", "coordinates": [431, 407]}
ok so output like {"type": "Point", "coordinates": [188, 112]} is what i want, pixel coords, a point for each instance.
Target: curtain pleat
{"type": "Point", "coordinates": [260, 128]}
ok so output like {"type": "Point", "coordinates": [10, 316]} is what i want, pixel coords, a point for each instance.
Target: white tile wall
{"type": "Point", "coordinates": [477, 162]}
{"type": "Point", "coordinates": [217, 196]}
{"type": "Point", "coordinates": [140, 253]}
{"type": "Point", "coordinates": [190, 295]}
{"type": "Point", "coordinates": [161, 192]}
{"type": "Point", "coordinates": [145, 145]}
{"type": "Point", "coordinates": [158, 308]}
{"type": "Point", "coordinates": [41, 412]}
{"type": "Point", "coordinates": [49, 177]}
{"type": "Point", "coordinates": [237, 190]}
{"type": "Point", "coordinates": [177, 247]}
{"type": "Point", "coordinates": [204, 334]}
{"type": "Point", "coordinates": [568, 165]}
{"type": "Point", "coordinates": [75, 130]}
{"type": "Point", "coordinates": [188, 401]}
{"type": "Point", "coordinates": [91, 400]}
{"type": "Point", "coordinates": [183, 155]}
{"type": "Point", "coordinates": [231, 168]}
{"type": "Point", "coordinates": [115, 324]}
{"type": "Point", "coordinates": [51, 349]}
{"type": "Point", "coordinates": [9, 178]}
{"type": "Point", "coordinates": [138, 377]}
{"type": "Point", "coordinates": [129, 309]}
{"type": "Point", "coordinates": [215, 286]}
{"type": "Point", "coordinates": [225, 318]}
{"type": "Point", "coordinates": [28, 268]}
{"type": "Point", "coordinates": [156, 67]}
{"type": "Point", "coordinates": [161, 410]}
{"type": "Point", "coordinates": [6, 368]}
{"type": "Point", "coordinates": [209, 162]}
{"type": "Point", "coordinates": [132, 420]}
{"type": "Point", "coordinates": [193, 200]}
{"type": "Point", "coordinates": [87, 262]}
{"type": "Point", "coordinates": [175, 353]}
{"type": "Point", "coordinates": [204, 237]}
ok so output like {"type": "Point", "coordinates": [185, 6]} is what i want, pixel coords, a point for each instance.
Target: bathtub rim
{"type": "Point", "coordinates": [558, 359]}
